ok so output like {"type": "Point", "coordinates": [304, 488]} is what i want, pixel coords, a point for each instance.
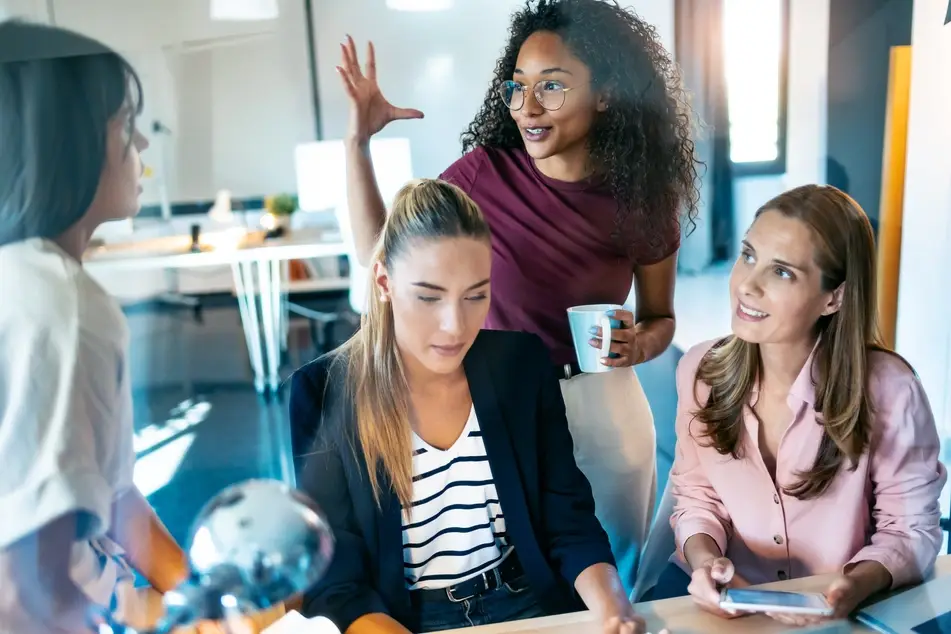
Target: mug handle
{"type": "Point", "coordinates": [605, 336]}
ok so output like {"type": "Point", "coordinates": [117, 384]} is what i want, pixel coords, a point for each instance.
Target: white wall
{"type": "Point", "coordinates": [439, 62]}
{"type": "Point", "coordinates": [806, 114]}
{"type": "Point", "coordinates": [236, 95]}
{"type": "Point", "coordinates": [924, 301]}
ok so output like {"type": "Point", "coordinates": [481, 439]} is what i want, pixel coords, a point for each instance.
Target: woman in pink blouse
{"type": "Point", "coordinates": [803, 445]}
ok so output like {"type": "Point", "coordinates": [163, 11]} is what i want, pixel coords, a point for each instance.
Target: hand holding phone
{"type": "Point", "coordinates": [707, 581]}
{"type": "Point", "coordinates": [774, 601]}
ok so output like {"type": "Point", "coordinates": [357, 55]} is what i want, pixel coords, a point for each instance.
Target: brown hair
{"type": "Point", "coordinates": [845, 254]}
{"type": "Point", "coordinates": [422, 210]}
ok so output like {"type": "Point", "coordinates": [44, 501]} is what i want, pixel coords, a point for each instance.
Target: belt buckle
{"type": "Point", "coordinates": [485, 582]}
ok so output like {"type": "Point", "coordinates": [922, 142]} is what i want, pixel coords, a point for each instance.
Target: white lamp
{"type": "Point", "coordinates": [244, 10]}
{"type": "Point", "coordinates": [322, 186]}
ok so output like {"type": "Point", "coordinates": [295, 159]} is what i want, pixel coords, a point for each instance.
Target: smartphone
{"type": "Point", "coordinates": [748, 600]}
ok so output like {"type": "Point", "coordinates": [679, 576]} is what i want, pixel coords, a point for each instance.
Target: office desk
{"type": "Point", "coordinates": [257, 266]}
{"type": "Point", "coordinates": [679, 615]}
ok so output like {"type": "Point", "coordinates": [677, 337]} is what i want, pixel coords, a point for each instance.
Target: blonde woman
{"type": "Point", "coordinates": [440, 451]}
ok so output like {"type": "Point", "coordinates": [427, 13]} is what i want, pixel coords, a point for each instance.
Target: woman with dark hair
{"type": "Point", "coordinates": [74, 525]}
{"type": "Point", "coordinates": [582, 162]}
{"type": "Point", "coordinates": [802, 424]}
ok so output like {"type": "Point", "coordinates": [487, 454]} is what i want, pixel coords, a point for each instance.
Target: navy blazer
{"type": "Point", "coordinates": [547, 501]}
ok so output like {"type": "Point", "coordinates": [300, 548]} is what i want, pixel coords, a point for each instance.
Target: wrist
{"type": "Point", "coordinates": [357, 142]}
{"type": "Point", "coordinates": [870, 577]}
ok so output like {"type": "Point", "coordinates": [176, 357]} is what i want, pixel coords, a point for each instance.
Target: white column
{"type": "Point", "coordinates": [924, 295]}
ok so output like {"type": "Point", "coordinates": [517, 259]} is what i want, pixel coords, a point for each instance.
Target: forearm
{"type": "Point", "coordinates": [654, 335]}
{"type": "Point", "coordinates": [599, 586]}
{"type": "Point", "coordinates": [376, 624]}
{"type": "Point", "coordinates": [870, 578]}
{"type": "Point", "coordinates": [700, 549]}
{"type": "Point", "coordinates": [366, 207]}
{"type": "Point", "coordinates": [149, 547]}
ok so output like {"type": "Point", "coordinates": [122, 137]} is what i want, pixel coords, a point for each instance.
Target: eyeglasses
{"type": "Point", "coordinates": [549, 94]}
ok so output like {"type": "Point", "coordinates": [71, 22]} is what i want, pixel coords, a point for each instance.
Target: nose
{"type": "Point", "coordinates": [141, 141]}
{"type": "Point", "coordinates": [531, 106]}
{"type": "Point", "coordinates": [750, 285]}
{"type": "Point", "coordinates": [452, 320]}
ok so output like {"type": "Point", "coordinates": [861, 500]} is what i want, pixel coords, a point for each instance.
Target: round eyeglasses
{"type": "Point", "coordinates": [549, 94]}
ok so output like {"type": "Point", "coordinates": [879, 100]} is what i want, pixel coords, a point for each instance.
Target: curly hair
{"type": "Point", "coordinates": [642, 143]}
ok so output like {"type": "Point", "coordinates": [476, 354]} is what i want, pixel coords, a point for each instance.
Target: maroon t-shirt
{"type": "Point", "coordinates": [552, 245]}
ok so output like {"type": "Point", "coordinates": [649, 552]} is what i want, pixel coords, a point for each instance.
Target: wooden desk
{"type": "Point", "coordinates": [679, 615]}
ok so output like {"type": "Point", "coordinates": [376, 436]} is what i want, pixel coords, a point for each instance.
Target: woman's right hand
{"type": "Point", "coordinates": [369, 109]}
{"type": "Point", "coordinates": [706, 580]}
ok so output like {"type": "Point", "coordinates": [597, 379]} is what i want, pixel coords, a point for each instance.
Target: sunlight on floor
{"type": "Point", "coordinates": [157, 468]}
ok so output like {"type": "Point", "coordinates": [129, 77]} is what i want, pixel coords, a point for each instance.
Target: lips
{"type": "Point", "coordinates": [536, 133]}
{"type": "Point", "coordinates": [748, 313]}
{"type": "Point", "coordinates": [449, 351]}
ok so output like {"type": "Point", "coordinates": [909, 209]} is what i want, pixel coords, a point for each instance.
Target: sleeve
{"type": "Point", "coordinates": [344, 594]}
{"type": "Point", "coordinates": [464, 172]}
{"type": "Point", "coordinates": [907, 478]}
{"type": "Point", "coordinates": [660, 249]}
{"type": "Point", "coordinates": [53, 400]}
{"type": "Point", "coordinates": [573, 536]}
{"type": "Point", "coordinates": [697, 506]}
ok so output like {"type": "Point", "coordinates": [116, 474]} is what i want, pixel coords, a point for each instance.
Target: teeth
{"type": "Point", "coordinates": [751, 312]}
{"type": "Point", "coordinates": [535, 130]}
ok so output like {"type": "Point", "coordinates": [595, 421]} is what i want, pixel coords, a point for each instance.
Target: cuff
{"type": "Point", "coordinates": [687, 527]}
{"type": "Point", "coordinates": [901, 568]}
{"type": "Point", "coordinates": [583, 557]}
{"type": "Point", "coordinates": [28, 509]}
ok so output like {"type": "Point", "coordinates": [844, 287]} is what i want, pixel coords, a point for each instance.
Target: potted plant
{"type": "Point", "coordinates": [280, 208]}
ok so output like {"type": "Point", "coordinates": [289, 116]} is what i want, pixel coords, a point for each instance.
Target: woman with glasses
{"type": "Point", "coordinates": [581, 160]}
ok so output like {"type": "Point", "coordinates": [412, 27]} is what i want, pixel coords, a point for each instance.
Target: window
{"type": "Point", "coordinates": [756, 44]}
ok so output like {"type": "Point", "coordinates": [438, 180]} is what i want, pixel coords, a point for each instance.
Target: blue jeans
{"type": "Point", "coordinates": [511, 602]}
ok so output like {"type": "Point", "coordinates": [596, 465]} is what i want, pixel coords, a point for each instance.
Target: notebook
{"type": "Point", "coordinates": [924, 609]}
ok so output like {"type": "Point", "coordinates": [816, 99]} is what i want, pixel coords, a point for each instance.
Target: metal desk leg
{"type": "Point", "coordinates": [244, 287]}
{"type": "Point", "coordinates": [269, 274]}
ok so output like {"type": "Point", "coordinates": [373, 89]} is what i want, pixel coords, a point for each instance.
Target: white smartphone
{"type": "Point", "coordinates": [748, 600]}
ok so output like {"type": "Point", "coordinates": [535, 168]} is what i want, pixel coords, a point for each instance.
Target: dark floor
{"type": "Point", "coordinates": [202, 427]}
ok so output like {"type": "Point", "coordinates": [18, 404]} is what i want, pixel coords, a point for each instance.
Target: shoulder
{"type": "Point", "coordinates": [893, 385]}
{"type": "Point", "coordinates": [52, 283]}
{"type": "Point", "coordinates": [690, 362]}
{"type": "Point", "coordinates": [63, 297]}
{"type": "Point", "coordinates": [510, 349]}
{"type": "Point", "coordinates": [313, 380]}
{"type": "Point", "coordinates": [465, 170]}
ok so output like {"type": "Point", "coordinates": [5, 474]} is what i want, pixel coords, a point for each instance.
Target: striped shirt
{"type": "Point", "coordinates": [456, 529]}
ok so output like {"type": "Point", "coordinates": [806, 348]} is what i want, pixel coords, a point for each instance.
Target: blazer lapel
{"type": "Point", "coordinates": [498, 444]}
{"type": "Point", "coordinates": [390, 537]}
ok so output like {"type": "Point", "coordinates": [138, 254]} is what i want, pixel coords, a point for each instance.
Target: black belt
{"type": "Point", "coordinates": [509, 570]}
{"type": "Point", "coordinates": [567, 370]}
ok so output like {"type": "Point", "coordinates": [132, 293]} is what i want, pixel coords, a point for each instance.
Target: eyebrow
{"type": "Point", "coordinates": [434, 287]}
{"type": "Point", "coordinates": [547, 71]}
{"type": "Point", "coordinates": [776, 260]}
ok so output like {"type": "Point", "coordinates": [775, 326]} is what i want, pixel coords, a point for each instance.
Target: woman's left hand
{"type": "Point", "coordinates": [623, 341]}
{"type": "Point", "coordinates": [625, 621]}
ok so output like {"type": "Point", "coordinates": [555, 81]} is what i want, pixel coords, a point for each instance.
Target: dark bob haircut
{"type": "Point", "coordinates": [58, 92]}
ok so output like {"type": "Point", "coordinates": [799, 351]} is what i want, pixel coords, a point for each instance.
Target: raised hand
{"type": "Point", "coordinates": [370, 112]}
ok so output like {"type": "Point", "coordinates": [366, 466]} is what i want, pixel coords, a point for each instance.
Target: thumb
{"type": "Point", "coordinates": [838, 589]}
{"type": "Point", "coordinates": [407, 113]}
{"type": "Point", "coordinates": [722, 570]}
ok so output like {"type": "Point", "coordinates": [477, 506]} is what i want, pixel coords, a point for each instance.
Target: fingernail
{"type": "Point", "coordinates": [610, 313]}
{"type": "Point", "coordinates": [603, 361]}
{"type": "Point", "coordinates": [593, 330]}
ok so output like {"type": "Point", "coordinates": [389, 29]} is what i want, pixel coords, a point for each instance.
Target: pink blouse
{"type": "Point", "coordinates": [886, 510]}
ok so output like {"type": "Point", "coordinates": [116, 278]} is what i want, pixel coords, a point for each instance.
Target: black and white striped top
{"type": "Point", "coordinates": [456, 529]}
